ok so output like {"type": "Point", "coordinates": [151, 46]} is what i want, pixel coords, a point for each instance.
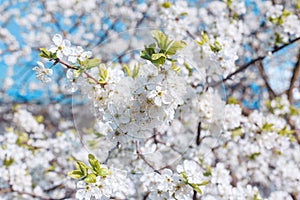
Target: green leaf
{"type": "Point", "coordinates": [182, 14]}
{"type": "Point", "coordinates": [175, 46]}
{"type": "Point", "coordinates": [92, 63]}
{"type": "Point", "coordinates": [294, 111]}
{"type": "Point", "coordinates": [90, 178]}
{"type": "Point", "coordinates": [89, 63]}
{"type": "Point", "coordinates": [136, 70]}
{"type": "Point", "coordinates": [190, 70]}
{"type": "Point", "coordinates": [126, 70]}
{"type": "Point", "coordinates": [77, 73]}
{"type": "Point", "coordinates": [205, 182]}
{"type": "Point", "coordinates": [196, 188]}
{"type": "Point", "coordinates": [8, 162]}
{"type": "Point", "coordinates": [268, 105]}
{"type": "Point", "coordinates": [254, 155]}
{"type": "Point", "coordinates": [159, 61]}
{"type": "Point", "coordinates": [298, 4]}
{"type": "Point", "coordinates": [147, 53]}
{"type": "Point", "coordinates": [286, 13]}
{"type": "Point", "coordinates": [83, 168]}
{"type": "Point", "coordinates": [208, 171]}
{"type": "Point", "coordinates": [278, 39]}
{"type": "Point", "coordinates": [285, 132]}
{"type": "Point", "coordinates": [215, 47]}
{"type": "Point", "coordinates": [102, 74]}
{"type": "Point", "coordinates": [75, 174]}
{"type": "Point", "coordinates": [162, 40]}
{"type": "Point", "coordinates": [94, 163]}
{"type": "Point", "coordinates": [175, 68]}
{"type": "Point", "coordinates": [44, 53]}
{"type": "Point", "coordinates": [183, 175]}
{"type": "Point", "coordinates": [204, 39]}
{"type": "Point", "coordinates": [166, 5]}
{"type": "Point", "coordinates": [228, 3]}
{"type": "Point", "coordinates": [267, 127]}
{"type": "Point", "coordinates": [232, 100]}
{"type": "Point", "coordinates": [237, 132]}
{"type": "Point", "coordinates": [103, 172]}
{"type": "Point", "coordinates": [157, 56]}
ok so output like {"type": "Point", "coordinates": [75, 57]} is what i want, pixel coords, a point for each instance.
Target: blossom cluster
{"type": "Point", "coordinates": [159, 126]}
{"type": "Point", "coordinates": [137, 104]}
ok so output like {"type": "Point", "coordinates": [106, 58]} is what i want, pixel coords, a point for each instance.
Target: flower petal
{"type": "Point", "coordinates": [57, 39]}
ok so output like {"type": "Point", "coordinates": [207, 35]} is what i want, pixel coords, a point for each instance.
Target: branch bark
{"type": "Point", "coordinates": [293, 80]}
{"type": "Point", "coordinates": [260, 58]}
{"type": "Point", "coordinates": [264, 76]}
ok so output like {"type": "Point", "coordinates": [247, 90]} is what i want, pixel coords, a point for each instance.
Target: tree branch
{"type": "Point", "coordinates": [198, 139]}
{"type": "Point", "coordinates": [293, 80]}
{"type": "Point", "coordinates": [260, 58]}
{"type": "Point", "coordinates": [264, 76]}
{"type": "Point", "coordinates": [71, 67]}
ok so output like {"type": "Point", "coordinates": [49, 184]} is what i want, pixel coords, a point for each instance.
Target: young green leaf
{"type": "Point", "coordinates": [103, 172]}
{"type": "Point", "coordinates": [166, 5]}
{"type": "Point", "coordinates": [175, 46]}
{"type": "Point", "coordinates": [175, 68]}
{"type": "Point", "coordinates": [196, 188]}
{"type": "Point", "coordinates": [81, 167]}
{"type": "Point", "coordinates": [161, 40]}
{"type": "Point", "coordinates": [75, 174]}
{"type": "Point", "coordinates": [8, 162]}
{"type": "Point", "coordinates": [136, 70]}
{"type": "Point", "coordinates": [92, 63]}
{"type": "Point", "coordinates": [157, 56]}
{"type": "Point", "coordinates": [90, 178]}
{"type": "Point", "coordinates": [126, 70]}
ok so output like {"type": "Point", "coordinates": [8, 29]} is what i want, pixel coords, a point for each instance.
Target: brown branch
{"type": "Point", "coordinates": [110, 152]}
{"type": "Point", "coordinates": [293, 80]}
{"type": "Point", "coordinates": [264, 76]}
{"type": "Point", "coordinates": [198, 139]}
{"type": "Point", "coordinates": [86, 73]}
{"type": "Point", "coordinates": [140, 155]}
{"type": "Point", "coordinates": [260, 58]}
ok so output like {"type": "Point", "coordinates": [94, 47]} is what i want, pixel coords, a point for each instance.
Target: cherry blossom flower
{"type": "Point", "coordinates": [78, 53]}
{"type": "Point", "coordinates": [61, 47]}
{"type": "Point", "coordinates": [160, 96]}
{"type": "Point", "coordinates": [43, 74]}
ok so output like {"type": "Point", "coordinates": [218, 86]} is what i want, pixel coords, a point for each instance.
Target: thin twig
{"type": "Point", "coordinates": [140, 155]}
{"type": "Point", "coordinates": [264, 76]}
{"type": "Point", "coordinates": [110, 152]}
{"type": "Point", "coordinates": [86, 73]}
{"type": "Point", "coordinates": [293, 80]}
{"type": "Point", "coordinates": [198, 139]}
{"type": "Point", "coordinates": [260, 58]}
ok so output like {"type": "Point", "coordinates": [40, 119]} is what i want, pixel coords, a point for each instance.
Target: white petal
{"type": "Point", "coordinates": [87, 54]}
{"type": "Point", "coordinates": [70, 74]}
{"type": "Point", "coordinates": [57, 39]}
{"type": "Point", "coordinates": [124, 119]}
{"type": "Point", "coordinates": [166, 99]}
{"type": "Point", "coordinates": [152, 94]}
{"type": "Point", "coordinates": [80, 184]}
{"type": "Point", "coordinates": [66, 43]}
{"type": "Point", "coordinates": [40, 64]}
{"type": "Point", "coordinates": [52, 49]}
{"type": "Point", "coordinates": [49, 72]}
{"type": "Point", "coordinates": [72, 59]}
{"type": "Point", "coordinates": [167, 172]}
{"type": "Point", "coordinates": [67, 51]}
{"type": "Point", "coordinates": [157, 101]}
{"type": "Point", "coordinates": [59, 54]}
